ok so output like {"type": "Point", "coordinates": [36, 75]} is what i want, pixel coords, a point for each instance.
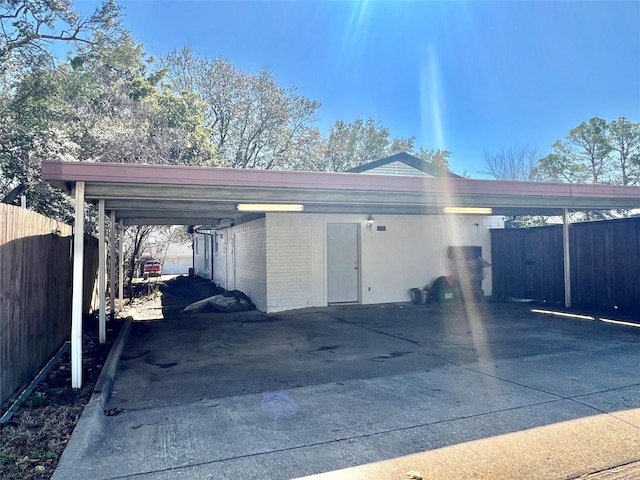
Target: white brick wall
{"type": "Point", "coordinates": [289, 263]}
{"type": "Point", "coordinates": [410, 253]}
{"type": "Point", "coordinates": [250, 261]}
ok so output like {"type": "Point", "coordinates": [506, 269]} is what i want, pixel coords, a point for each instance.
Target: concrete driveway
{"type": "Point", "coordinates": [255, 396]}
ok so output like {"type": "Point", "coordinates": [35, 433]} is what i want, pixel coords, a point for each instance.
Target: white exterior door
{"type": "Point", "coordinates": [342, 262]}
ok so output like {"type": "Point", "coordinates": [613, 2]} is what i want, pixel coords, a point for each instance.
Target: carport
{"type": "Point", "coordinates": [177, 195]}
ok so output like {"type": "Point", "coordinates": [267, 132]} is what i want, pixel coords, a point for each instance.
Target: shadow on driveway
{"type": "Point", "coordinates": [250, 395]}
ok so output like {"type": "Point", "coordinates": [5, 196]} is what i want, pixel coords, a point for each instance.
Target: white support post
{"type": "Point", "coordinates": [567, 259]}
{"type": "Point", "coordinates": [120, 265]}
{"type": "Point", "coordinates": [76, 302]}
{"type": "Point", "coordinates": [112, 266]}
{"type": "Point", "coordinates": [102, 265]}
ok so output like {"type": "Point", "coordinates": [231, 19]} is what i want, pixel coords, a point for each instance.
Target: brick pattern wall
{"type": "Point", "coordinates": [289, 264]}
{"type": "Point", "coordinates": [251, 268]}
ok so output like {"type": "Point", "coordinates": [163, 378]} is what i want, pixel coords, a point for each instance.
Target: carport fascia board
{"type": "Point", "coordinates": [196, 192]}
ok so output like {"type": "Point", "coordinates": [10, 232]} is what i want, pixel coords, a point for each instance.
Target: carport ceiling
{"type": "Point", "coordinates": [176, 195]}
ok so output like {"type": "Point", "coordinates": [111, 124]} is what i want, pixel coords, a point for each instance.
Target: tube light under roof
{"type": "Point", "coordinates": [270, 207]}
{"type": "Point", "coordinates": [476, 210]}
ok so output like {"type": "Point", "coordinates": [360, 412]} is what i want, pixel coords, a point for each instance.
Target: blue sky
{"type": "Point", "coordinates": [463, 76]}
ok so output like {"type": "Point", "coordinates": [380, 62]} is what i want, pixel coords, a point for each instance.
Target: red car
{"type": "Point", "coordinates": [152, 268]}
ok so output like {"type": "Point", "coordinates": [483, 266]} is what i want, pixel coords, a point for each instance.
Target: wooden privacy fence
{"type": "Point", "coordinates": [35, 291]}
{"type": "Point", "coordinates": [605, 263]}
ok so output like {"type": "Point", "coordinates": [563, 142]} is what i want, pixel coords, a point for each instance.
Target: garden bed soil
{"type": "Point", "coordinates": [33, 439]}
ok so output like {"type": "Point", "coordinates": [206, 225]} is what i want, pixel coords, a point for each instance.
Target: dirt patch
{"type": "Point", "coordinates": [182, 291]}
{"type": "Point", "coordinates": [34, 438]}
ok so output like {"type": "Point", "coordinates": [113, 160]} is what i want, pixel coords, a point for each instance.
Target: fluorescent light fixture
{"type": "Point", "coordinates": [477, 210]}
{"type": "Point", "coordinates": [270, 207]}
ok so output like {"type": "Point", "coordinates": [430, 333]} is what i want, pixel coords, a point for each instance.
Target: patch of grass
{"type": "Point", "coordinates": [5, 459]}
{"type": "Point", "coordinates": [35, 400]}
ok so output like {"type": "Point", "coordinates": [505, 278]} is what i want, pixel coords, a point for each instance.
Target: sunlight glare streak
{"type": "Point", "coordinates": [620, 322]}
{"type": "Point", "coordinates": [431, 100]}
{"type": "Point", "coordinates": [563, 314]}
{"type": "Point", "coordinates": [454, 226]}
{"type": "Point", "coordinates": [355, 29]}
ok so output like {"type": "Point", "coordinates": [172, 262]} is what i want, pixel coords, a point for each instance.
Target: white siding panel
{"type": "Point", "coordinates": [250, 261]}
{"type": "Point", "coordinates": [460, 230]}
{"type": "Point", "coordinates": [202, 255]}
{"type": "Point", "coordinates": [397, 169]}
{"type": "Point", "coordinates": [220, 259]}
{"type": "Point", "coordinates": [410, 252]}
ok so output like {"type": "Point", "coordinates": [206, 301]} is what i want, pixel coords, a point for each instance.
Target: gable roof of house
{"type": "Point", "coordinates": [427, 168]}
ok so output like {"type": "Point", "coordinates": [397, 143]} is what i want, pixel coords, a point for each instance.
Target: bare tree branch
{"type": "Point", "coordinates": [517, 163]}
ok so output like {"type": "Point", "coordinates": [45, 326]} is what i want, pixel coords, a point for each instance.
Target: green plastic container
{"type": "Point", "coordinates": [445, 295]}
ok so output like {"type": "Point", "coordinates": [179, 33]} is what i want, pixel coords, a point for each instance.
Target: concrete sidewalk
{"type": "Point", "coordinates": [255, 396]}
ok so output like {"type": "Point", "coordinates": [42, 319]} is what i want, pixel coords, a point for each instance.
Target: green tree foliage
{"type": "Point", "coordinates": [361, 141]}
{"type": "Point", "coordinates": [439, 158]}
{"type": "Point", "coordinates": [257, 124]}
{"type": "Point", "coordinates": [130, 120]}
{"type": "Point", "coordinates": [254, 122]}
{"type": "Point", "coordinates": [351, 144]}
{"type": "Point", "coordinates": [29, 27]}
{"type": "Point", "coordinates": [595, 152]}
{"type": "Point", "coordinates": [103, 105]}
{"type": "Point", "coordinates": [623, 137]}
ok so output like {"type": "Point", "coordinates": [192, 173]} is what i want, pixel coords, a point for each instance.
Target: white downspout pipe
{"type": "Point", "coordinates": [76, 301]}
{"type": "Point", "coordinates": [102, 276]}
{"type": "Point", "coordinates": [567, 259]}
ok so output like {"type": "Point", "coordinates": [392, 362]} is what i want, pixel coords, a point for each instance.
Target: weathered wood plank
{"type": "Point", "coordinates": [605, 261]}
{"type": "Point", "coordinates": [35, 292]}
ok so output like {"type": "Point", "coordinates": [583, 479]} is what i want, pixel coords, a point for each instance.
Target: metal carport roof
{"type": "Point", "coordinates": [152, 194]}
{"type": "Point", "coordinates": [173, 195]}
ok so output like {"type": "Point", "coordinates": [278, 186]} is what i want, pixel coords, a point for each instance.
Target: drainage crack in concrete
{"type": "Point", "coordinates": [397, 337]}
{"type": "Point", "coordinates": [327, 442]}
{"type": "Point", "coordinates": [466, 367]}
{"type": "Point", "coordinates": [613, 470]}
{"type": "Point", "coordinates": [573, 398]}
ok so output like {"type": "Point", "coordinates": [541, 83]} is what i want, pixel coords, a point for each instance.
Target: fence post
{"type": "Point", "coordinates": [567, 259]}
